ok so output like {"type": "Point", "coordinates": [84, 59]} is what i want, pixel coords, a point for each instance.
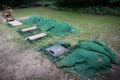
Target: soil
{"type": "Point", "coordinates": [26, 64]}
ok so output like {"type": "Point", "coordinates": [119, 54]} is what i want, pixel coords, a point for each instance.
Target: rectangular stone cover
{"type": "Point", "coordinates": [37, 36]}
{"type": "Point", "coordinates": [57, 50]}
{"type": "Point", "coordinates": [29, 29]}
{"type": "Point", "coordinates": [15, 23]}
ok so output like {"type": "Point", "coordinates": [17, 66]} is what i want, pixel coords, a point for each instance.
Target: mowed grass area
{"type": "Point", "coordinates": [88, 26]}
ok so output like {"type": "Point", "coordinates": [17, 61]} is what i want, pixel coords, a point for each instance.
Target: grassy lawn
{"type": "Point", "coordinates": [88, 26]}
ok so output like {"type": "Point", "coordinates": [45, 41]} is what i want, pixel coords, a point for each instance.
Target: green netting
{"type": "Point", "coordinates": [50, 25]}
{"type": "Point", "coordinates": [47, 24]}
{"type": "Point", "coordinates": [89, 59]}
{"type": "Point", "coordinates": [33, 20]}
{"type": "Point", "coordinates": [62, 28]}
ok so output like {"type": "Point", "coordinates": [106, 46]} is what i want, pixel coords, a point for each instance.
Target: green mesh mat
{"type": "Point", "coordinates": [61, 28]}
{"type": "Point", "coordinates": [47, 24]}
{"type": "Point", "coordinates": [89, 59]}
{"type": "Point", "coordinates": [51, 26]}
{"type": "Point", "coordinates": [33, 20]}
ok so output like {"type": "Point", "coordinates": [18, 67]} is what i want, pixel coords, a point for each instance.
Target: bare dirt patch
{"type": "Point", "coordinates": [26, 64]}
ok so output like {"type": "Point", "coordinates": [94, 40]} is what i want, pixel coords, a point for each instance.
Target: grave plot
{"type": "Point", "coordinates": [88, 59]}
{"type": "Point", "coordinates": [35, 26]}
{"type": "Point", "coordinates": [49, 25]}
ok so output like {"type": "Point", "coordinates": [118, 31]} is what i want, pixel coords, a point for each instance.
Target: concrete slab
{"type": "Point", "coordinates": [56, 50]}
{"type": "Point", "coordinates": [29, 29]}
{"type": "Point", "coordinates": [15, 23]}
{"type": "Point", "coordinates": [37, 36]}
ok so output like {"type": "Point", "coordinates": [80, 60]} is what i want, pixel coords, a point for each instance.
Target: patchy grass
{"type": "Point", "coordinates": [88, 26]}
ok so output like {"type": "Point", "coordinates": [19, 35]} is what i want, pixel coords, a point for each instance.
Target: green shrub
{"type": "Point", "coordinates": [101, 10]}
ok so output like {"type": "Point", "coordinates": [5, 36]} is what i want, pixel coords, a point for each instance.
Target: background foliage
{"type": "Point", "coordinates": [89, 6]}
{"type": "Point", "coordinates": [15, 3]}
{"type": "Point", "coordinates": [111, 7]}
{"type": "Point", "coordinates": [86, 3]}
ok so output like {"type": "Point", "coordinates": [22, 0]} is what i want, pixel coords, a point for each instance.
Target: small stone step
{"type": "Point", "coordinates": [15, 23]}
{"type": "Point", "coordinates": [28, 29]}
{"type": "Point", "coordinates": [37, 36]}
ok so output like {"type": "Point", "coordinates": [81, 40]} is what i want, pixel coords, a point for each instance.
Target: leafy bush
{"type": "Point", "coordinates": [15, 3]}
{"type": "Point", "coordinates": [86, 3]}
{"type": "Point", "coordinates": [101, 10]}
{"type": "Point", "coordinates": [111, 7]}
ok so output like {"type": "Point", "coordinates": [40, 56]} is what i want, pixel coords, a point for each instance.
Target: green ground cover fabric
{"type": "Point", "coordinates": [33, 19]}
{"type": "Point", "coordinates": [89, 59]}
{"type": "Point", "coordinates": [51, 26]}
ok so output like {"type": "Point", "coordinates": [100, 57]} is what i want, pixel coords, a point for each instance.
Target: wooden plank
{"type": "Point", "coordinates": [37, 36]}
{"type": "Point", "coordinates": [15, 23]}
{"type": "Point", "coordinates": [28, 29]}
